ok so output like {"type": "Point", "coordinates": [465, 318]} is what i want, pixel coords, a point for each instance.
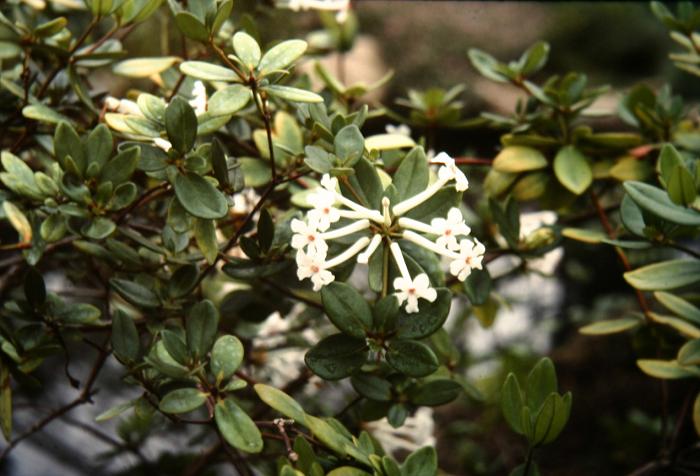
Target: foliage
{"type": "Point", "coordinates": [193, 213]}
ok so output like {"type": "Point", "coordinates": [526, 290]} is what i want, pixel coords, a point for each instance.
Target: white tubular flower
{"type": "Point", "coordinates": [401, 130]}
{"type": "Point", "coordinates": [346, 230]}
{"type": "Point", "coordinates": [199, 102]}
{"type": "Point", "coordinates": [411, 290]}
{"type": "Point", "coordinates": [323, 213]}
{"type": "Point", "coordinates": [163, 144]}
{"type": "Point", "coordinates": [449, 229]}
{"type": "Point", "coordinates": [313, 266]}
{"type": "Point", "coordinates": [123, 106]}
{"type": "Point", "coordinates": [349, 253]}
{"type": "Point", "coordinates": [330, 184]}
{"type": "Point", "coordinates": [428, 245]}
{"type": "Point", "coordinates": [412, 224]}
{"type": "Point", "coordinates": [363, 258]}
{"type": "Point", "coordinates": [470, 257]}
{"type": "Point", "coordinates": [307, 234]}
{"type": "Point", "coordinates": [450, 171]}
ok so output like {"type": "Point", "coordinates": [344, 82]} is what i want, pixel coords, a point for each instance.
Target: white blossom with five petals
{"type": "Point", "coordinates": [450, 228]}
{"type": "Point", "coordinates": [313, 266]}
{"type": "Point", "coordinates": [470, 256]}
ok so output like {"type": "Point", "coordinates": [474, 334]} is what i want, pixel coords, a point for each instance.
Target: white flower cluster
{"type": "Point", "coordinates": [448, 235]}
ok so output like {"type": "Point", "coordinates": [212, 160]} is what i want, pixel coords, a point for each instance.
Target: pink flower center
{"type": "Point", "coordinates": [411, 290]}
{"type": "Point", "coordinates": [448, 232]}
{"type": "Point", "coordinates": [311, 237]}
{"type": "Point", "coordinates": [315, 268]}
{"type": "Point", "coordinates": [326, 210]}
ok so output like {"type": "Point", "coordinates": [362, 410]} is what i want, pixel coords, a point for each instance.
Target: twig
{"type": "Point", "coordinates": [84, 397]}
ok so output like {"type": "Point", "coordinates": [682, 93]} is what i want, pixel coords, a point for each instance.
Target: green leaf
{"type": "Point", "coordinates": [347, 309]}
{"type": "Point", "coordinates": [666, 369]}
{"type": "Point", "coordinates": [336, 356]}
{"type": "Point", "coordinates": [228, 100]}
{"type": "Point", "coordinates": [681, 186]}
{"type": "Point", "coordinates": [135, 293]}
{"type": "Point", "coordinates": [237, 428]}
{"type": "Point", "coordinates": [292, 94]}
{"type": "Point", "coordinates": [669, 159]}
{"type": "Point", "coordinates": [412, 175]}
{"type": "Point", "coordinates": [67, 143]}
{"type": "Point", "coordinates": [281, 402]}
{"type": "Point", "coordinates": [679, 306]}
{"type": "Point", "coordinates": [181, 125]}
{"type": "Point", "coordinates": [42, 113]}
{"type": "Point", "coordinates": [541, 381]}
{"type": "Point", "coordinates": [99, 145]}
{"type": "Point", "coordinates": [18, 221]}
{"type": "Point", "coordinates": [175, 346]}
{"type": "Point", "coordinates": [125, 337]}
{"type": "Point", "coordinates": [478, 286]}
{"type": "Point", "coordinates": [349, 145]}
{"type": "Point", "coordinates": [412, 358]}
{"type": "Point", "coordinates": [487, 65]}
{"type": "Point", "coordinates": [422, 462]}
{"type": "Point", "coordinates": [207, 71]}
{"type": "Point", "coordinates": [612, 326]}
{"type": "Point", "coordinates": [517, 158]}
{"type": "Point", "coordinates": [436, 206]}
{"type": "Point", "coordinates": [247, 49]}
{"type": "Point", "coordinates": [115, 411]}
{"type": "Point", "coordinates": [182, 400]}
{"type": "Point", "coordinates": [281, 56]}
{"type": "Point", "coordinates": [631, 216]}
{"type": "Point", "coordinates": [428, 320]}
{"type": "Point", "coordinates": [192, 28]}
{"type": "Point", "coordinates": [435, 392]}
{"type": "Point", "coordinates": [226, 356]}
{"type": "Point", "coordinates": [534, 58]}
{"type": "Point", "coordinates": [199, 197]}
{"type": "Point", "coordinates": [689, 353]}
{"type": "Point", "coordinates": [573, 170]}
{"type": "Point", "coordinates": [656, 201]}
{"type": "Point", "coordinates": [683, 327]}
{"type": "Point", "coordinates": [205, 234]}
{"type": "Point", "coordinates": [665, 275]}
{"type": "Point", "coordinates": [372, 387]}
{"type": "Point", "coordinates": [120, 168]}
{"type": "Point", "coordinates": [512, 403]}
{"type": "Point", "coordinates": [201, 327]}
{"type": "Point", "coordinates": [144, 67]}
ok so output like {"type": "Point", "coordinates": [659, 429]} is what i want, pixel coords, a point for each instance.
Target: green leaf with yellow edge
{"type": "Point", "coordinates": [42, 113]}
{"type": "Point", "coordinates": [18, 221]}
{"type": "Point", "coordinates": [665, 275]}
{"type": "Point", "coordinates": [572, 169]}
{"type": "Point", "coordinates": [292, 94]}
{"type": "Point", "coordinates": [228, 100]}
{"type": "Point", "coordinates": [656, 201]}
{"type": "Point", "coordinates": [689, 353]}
{"type": "Point", "coordinates": [281, 402]}
{"type": "Point", "coordinates": [388, 142]}
{"type": "Point", "coordinates": [611, 326]}
{"type": "Point", "coordinates": [247, 49]}
{"type": "Point", "coordinates": [207, 71]}
{"type": "Point", "coordinates": [144, 67]}
{"type": "Point", "coordinates": [531, 186]}
{"type": "Point", "coordinates": [679, 306]}
{"type": "Point", "coordinates": [666, 369]}
{"type": "Point", "coordinates": [517, 158]}
{"type": "Point", "coordinates": [280, 56]}
{"type": "Point", "coordinates": [592, 237]}
{"type": "Point", "coordinates": [630, 168]}
{"type": "Point", "coordinates": [684, 327]}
